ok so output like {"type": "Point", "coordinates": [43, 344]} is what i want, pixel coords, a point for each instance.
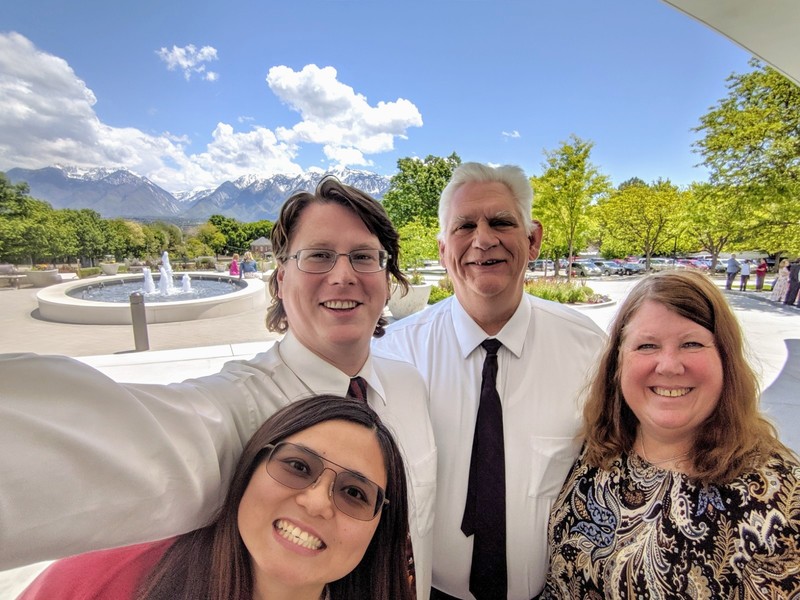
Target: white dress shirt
{"type": "Point", "coordinates": [548, 352]}
{"type": "Point", "coordinates": [88, 463]}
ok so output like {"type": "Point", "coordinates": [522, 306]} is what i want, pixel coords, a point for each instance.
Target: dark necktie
{"type": "Point", "coordinates": [358, 388]}
{"type": "Point", "coordinates": [485, 511]}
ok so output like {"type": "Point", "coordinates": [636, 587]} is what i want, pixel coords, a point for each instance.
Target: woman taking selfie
{"type": "Point", "coordinates": [682, 488]}
{"type": "Point", "coordinates": [316, 510]}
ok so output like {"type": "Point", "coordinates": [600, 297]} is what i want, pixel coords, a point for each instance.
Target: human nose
{"type": "Point", "coordinates": [670, 362]}
{"type": "Point", "coordinates": [342, 270]}
{"type": "Point", "coordinates": [485, 236]}
{"type": "Point", "coordinates": [317, 498]}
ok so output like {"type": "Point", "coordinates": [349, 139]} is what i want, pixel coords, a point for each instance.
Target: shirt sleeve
{"type": "Point", "coordinates": [89, 463]}
{"type": "Point", "coordinates": [104, 575]}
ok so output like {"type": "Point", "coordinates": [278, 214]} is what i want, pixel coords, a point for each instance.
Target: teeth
{"type": "Point", "coordinates": [340, 304]}
{"type": "Point", "coordinates": [671, 393]}
{"type": "Point", "coordinates": [297, 535]}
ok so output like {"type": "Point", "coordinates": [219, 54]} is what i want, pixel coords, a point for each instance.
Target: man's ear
{"type": "Point", "coordinates": [279, 278]}
{"type": "Point", "coordinates": [535, 240]}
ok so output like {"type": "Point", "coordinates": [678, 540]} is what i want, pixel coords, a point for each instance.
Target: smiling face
{"type": "Point", "coordinates": [333, 314]}
{"type": "Point", "coordinates": [670, 374]}
{"type": "Point", "coordinates": [486, 250]}
{"type": "Point", "coordinates": [298, 540]}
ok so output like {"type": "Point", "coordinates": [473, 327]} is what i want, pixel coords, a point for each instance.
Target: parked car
{"type": "Point", "coordinates": [632, 268]}
{"type": "Point", "coordinates": [657, 263]}
{"type": "Point", "coordinates": [585, 269]}
{"type": "Point", "coordinates": [609, 267]}
{"type": "Point", "coordinates": [541, 265]}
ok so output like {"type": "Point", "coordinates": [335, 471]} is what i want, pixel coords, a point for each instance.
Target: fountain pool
{"type": "Point", "coordinates": [105, 301]}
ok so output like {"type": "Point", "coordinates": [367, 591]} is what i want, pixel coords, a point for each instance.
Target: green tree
{"type": "Point", "coordinates": [751, 147]}
{"type": "Point", "coordinates": [418, 243]}
{"type": "Point", "coordinates": [569, 185]}
{"type": "Point", "coordinates": [415, 189]}
{"type": "Point", "coordinates": [209, 235]}
{"type": "Point", "coordinates": [642, 219]}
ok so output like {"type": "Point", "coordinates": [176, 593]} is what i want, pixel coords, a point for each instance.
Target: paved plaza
{"type": "Point", "coordinates": [182, 350]}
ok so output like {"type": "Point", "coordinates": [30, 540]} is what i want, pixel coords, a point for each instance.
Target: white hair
{"type": "Point", "coordinates": [511, 176]}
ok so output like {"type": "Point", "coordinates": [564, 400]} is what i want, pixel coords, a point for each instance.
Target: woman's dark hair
{"type": "Point", "coordinates": [735, 436]}
{"type": "Point", "coordinates": [212, 563]}
{"type": "Point", "coordinates": [366, 208]}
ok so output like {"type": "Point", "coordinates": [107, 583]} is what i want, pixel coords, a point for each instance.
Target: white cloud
{"type": "Point", "coordinates": [337, 117]}
{"type": "Point", "coordinates": [512, 134]}
{"type": "Point", "coordinates": [190, 60]}
{"type": "Point", "coordinates": [47, 117]}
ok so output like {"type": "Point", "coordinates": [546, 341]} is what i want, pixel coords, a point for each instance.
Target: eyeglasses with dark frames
{"type": "Point", "coordinates": [321, 260]}
{"type": "Point", "coordinates": [298, 468]}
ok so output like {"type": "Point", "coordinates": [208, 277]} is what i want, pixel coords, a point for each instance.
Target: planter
{"type": "Point", "coordinates": [414, 301]}
{"type": "Point", "coordinates": [44, 278]}
{"type": "Point", "coordinates": [109, 268]}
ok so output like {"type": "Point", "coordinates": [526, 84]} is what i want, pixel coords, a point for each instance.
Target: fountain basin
{"type": "Point", "coordinates": [56, 305]}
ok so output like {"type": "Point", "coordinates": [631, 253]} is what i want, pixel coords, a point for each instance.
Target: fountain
{"type": "Point", "coordinates": [199, 295]}
{"type": "Point", "coordinates": [149, 285]}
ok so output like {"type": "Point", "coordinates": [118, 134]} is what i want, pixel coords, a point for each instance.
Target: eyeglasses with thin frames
{"type": "Point", "coordinates": [321, 260]}
{"type": "Point", "coordinates": [298, 468]}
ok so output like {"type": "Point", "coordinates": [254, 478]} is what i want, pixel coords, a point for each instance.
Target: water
{"type": "Point", "coordinates": [189, 289]}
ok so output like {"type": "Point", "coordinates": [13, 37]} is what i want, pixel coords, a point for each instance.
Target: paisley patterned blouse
{"type": "Point", "coordinates": [637, 531]}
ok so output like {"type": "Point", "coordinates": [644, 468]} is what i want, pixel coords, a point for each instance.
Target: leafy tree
{"type": "Point", "coordinates": [715, 218]}
{"type": "Point", "coordinates": [566, 190]}
{"type": "Point", "coordinates": [751, 146]}
{"type": "Point", "coordinates": [209, 235]}
{"type": "Point", "coordinates": [642, 219]}
{"type": "Point", "coordinates": [415, 189]}
{"type": "Point", "coordinates": [417, 243]}
{"type": "Point", "coordinates": [752, 136]}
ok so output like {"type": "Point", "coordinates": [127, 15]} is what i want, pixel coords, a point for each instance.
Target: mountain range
{"type": "Point", "coordinates": [120, 193]}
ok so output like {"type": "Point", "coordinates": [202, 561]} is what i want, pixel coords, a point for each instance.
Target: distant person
{"type": "Point", "coordinates": [682, 488]}
{"type": "Point", "coordinates": [745, 275]}
{"type": "Point", "coordinates": [249, 266]}
{"type": "Point", "coordinates": [504, 371]}
{"type": "Point", "coordinates": [732, 267]}
{"type": "Point", "coordinates": [234, 268]}
{"type": "Point", "coordinates": [316, 509]}
{"type": "Point", "coordinates": [794, 282]}
{"type": "Point", "coordinates": [761, 273]}
{"type": "Point", "coordinates": [781, 285]}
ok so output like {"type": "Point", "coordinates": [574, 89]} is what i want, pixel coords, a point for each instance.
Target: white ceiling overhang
{"type": "Point", "coordinates": [768, 29]}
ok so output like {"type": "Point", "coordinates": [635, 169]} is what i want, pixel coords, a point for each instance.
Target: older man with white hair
{"type": "Point", "coordinates": [508, 367]}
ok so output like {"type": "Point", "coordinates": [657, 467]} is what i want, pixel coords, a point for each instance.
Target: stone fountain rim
{"type": "Point", "coordinates": [55, 305]}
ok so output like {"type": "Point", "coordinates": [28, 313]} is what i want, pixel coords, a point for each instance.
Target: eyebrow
{"type": "Point", "coordinates": [503, 214]}
{"type": "Point", "coordinates": [318, 455]}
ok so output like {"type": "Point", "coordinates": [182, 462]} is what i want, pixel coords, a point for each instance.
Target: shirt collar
{"type": "Point", "coordinates": [319, 375]}
{"type": "Point", "coordinates": [469, 334]}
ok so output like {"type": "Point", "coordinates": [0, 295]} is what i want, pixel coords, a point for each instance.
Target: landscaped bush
{"type": "Point", "coordinates": [88, 272]}
{"type": "Point", "coordinates": [563, 291]}
{"type": "Point", "coordinates": [438, 294]}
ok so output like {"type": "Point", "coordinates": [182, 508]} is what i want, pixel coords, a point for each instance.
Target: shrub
{"type": "Point", "coordinates": [88, 272]}
{"type": "Point", "coordinates": [562, 291]}
{"type": "Point", "coordinates": [438, 294]}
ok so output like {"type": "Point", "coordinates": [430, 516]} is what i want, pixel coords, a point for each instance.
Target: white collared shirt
{"type": "Point", "coordinates": [548, 352]}
{"type": "Point", "coordinates": [90, 463]}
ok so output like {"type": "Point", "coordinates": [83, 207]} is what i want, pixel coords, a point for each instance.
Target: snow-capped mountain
{"type": "Point", "coordinates": [110, 192]}
{"type": "Point", "coordinates": [120, 193]}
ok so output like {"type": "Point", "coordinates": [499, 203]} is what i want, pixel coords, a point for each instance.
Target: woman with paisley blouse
{"type": "Point", "coordinates": [682, 488]}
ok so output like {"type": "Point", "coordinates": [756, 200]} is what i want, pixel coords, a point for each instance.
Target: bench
{"type": "Point", "coordinates": [9, 273]}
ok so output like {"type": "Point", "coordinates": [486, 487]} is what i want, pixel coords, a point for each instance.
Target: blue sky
{"type": "Point", "coordinates": [190, 94]}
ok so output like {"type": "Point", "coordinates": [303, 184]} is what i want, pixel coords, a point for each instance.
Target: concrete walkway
{"type": "Point", "coordinates": [182, 350]}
